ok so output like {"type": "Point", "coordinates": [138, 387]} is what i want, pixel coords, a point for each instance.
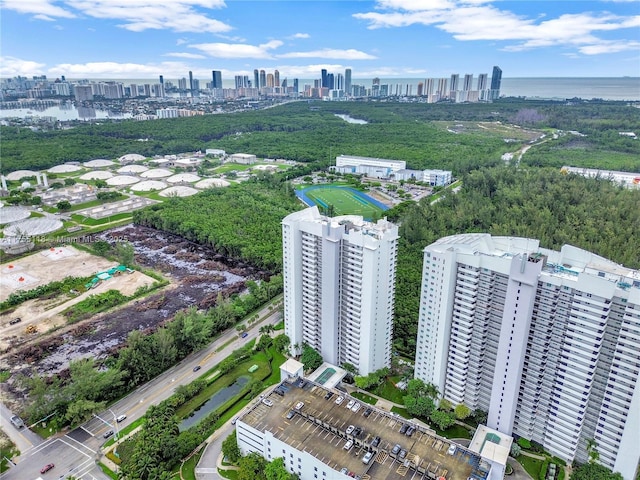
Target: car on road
{"type": "Point", "coordinates": [245, 334]}
{"type": "Point", "coordinates": [47, 467]}
{"type": "Point", "coordinates": [107, 434]}
{"type": "Point", "coordinates": [17, 421]}
{"type": "Point", "coordinates": [196, 368]}
{"type": "Point", "coordinates": [13, 321]}
{"type": "Point", "coordinates": [121, 418]}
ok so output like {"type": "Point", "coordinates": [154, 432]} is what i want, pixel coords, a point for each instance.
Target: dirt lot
{"type": "Point", "coordinates": [197, 276]}
{"type": "Point", "coordinates": [46, 266]}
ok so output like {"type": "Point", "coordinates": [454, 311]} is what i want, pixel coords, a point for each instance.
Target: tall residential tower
{"type": "Point", "coordinates": [545, 341]}
{"type": "Point", "coordinates": [339, 285]}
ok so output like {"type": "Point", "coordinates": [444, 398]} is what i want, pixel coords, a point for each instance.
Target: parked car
{"type": "Point", "coordinates": [375, 442]}
{"type": "Point", "coordinates": [121, 418]}
{"type": "Point", "coordinates": [403, 428]}
{"type": "Point", "coordinates": [339, 400]}
{"type": "Point", "coordinates": [356, 407]}
{"type": "Point", "coordinates": [348, 445]}
{"type": "Point", "coordinates": [233, 422]}
{"type": "Point", "coordinates": [396, 449]}
{"type": "Point", "coordinates": [328, 395]}
{"type": "Point", "coordinates": [350, 404]}
{"type": "Point", "coordinates": [451, 450]}
{"type": "Point", "coordinates": [403, 453]}
{"type": "Point", "coordinates": [17, 421]}
{"type": "Point", "coordinates": [350, 429]}
{"type": "Point", "coordinates": [367, 458]}
{"type": "Point", "coordinates": [13, 321]}
{"type": "Point", "coordinates": [267, 402]}
{"type": "Point", "coordinates": [410, 431]}
{"type": "Point", "coordinates": [291, 414]}
{"type": "Point", "coordinates": [47, 467]}
{"type": "Point", "coordinates": [367, 412]}
{"type": "Point", "coordinates": [299, 405]}
{"type": "Point", "coordinates": [344, 470]}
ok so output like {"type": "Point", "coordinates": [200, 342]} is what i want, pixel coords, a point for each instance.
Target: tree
{"type": "Point", "coordinates": [594, 471]}
{"type": "Point", "coordinates": [63, 205]}
{"type": "Point", "coordinates": [442, 419]}
{"type": "Point", "coordinates": [276, 470]}
{"type": "Point", "coordinates": [462, 411]}
{"type": "Point", "coordinates": [281, 343]}
{"type": "Point", "coordinates": [516, 450]}
{"type": "Point", "coordinates": [69, 181]}
{"type": "Point", "coordinates": [126, 253]}
{"type": "Point", "coordinates": [352, 369]}
{"type": "Point", "coordinates": [230, 448]}
{"type": "Point", "coordinates": [310, 357]}
{"type": "Point", "coordinates": [419, 406]}
{"type": "Point", "coordinates": [251, 467]}
{"type": "Point", "coordinates": [445, 405]}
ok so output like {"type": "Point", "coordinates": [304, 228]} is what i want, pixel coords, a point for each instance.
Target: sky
{"type": "Point", "coordinates": [142, 39]}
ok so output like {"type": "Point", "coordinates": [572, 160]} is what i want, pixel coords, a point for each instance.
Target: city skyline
{"type": "Point", "coordinates": [115, 39]}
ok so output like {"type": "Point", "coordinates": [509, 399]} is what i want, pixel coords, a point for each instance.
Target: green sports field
{"type": "Point", "coordinates": [345, 201]}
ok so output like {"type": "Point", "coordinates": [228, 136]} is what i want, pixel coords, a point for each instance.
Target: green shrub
{"type": "Point", "coordinates": [524, 443]}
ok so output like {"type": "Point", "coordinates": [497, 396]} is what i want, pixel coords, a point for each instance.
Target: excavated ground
{"type": "Point", "coordinates": [197, 275]}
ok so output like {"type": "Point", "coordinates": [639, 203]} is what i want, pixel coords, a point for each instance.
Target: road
{"type": "Point", "coordinates": [23, 438]}
{"type": "Point", "coordinates": [76, 452]}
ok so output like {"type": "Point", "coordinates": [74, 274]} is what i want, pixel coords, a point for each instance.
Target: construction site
{"type": "Point", "coordinates": [42, 341]}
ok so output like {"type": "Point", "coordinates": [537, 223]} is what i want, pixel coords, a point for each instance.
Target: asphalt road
{"type": "Point", "coordinates": [77, 452]}
{"type": "Point", "coordinates": [23, 438]}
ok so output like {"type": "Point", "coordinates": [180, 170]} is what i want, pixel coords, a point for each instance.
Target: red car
{"type": "Point", "coordinates": [46, 468]}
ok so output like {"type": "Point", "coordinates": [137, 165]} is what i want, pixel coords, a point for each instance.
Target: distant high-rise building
{"type": "Point", "coordinates": [496, 80]}
{"type": "Point", "coordinates": [420, 89]}
{"type": "Point", "coordinates": [161, 80]}
{"type": "Point", "coordinates": [442, 90]}
{"type": "Point", "coordinates": [330, 81]}
{"type": "Point", "coordinates": [295, 85]}
{"type": "Point", "coordinates": [182, 84]}
{"type": "Point", "coordinates": [468, 82]}
{"type": "Point", "coordinates": [453, 86]}
{"type": "Point", "coordinates": [545, 341]}
{"type": "Point", "coordinates": [83, 93]}
{"type": "Point", "coordinates": [347, 81]}
{"type": "Point", "coordinates": [483, 81]}
{"type": "Point", "coordinates": [263, 79]}
{"type": "Point", "coordinates": [216, 76]}
{"type": "Point", "coordinates": [256, 79]}
{"type": "Point", "coordinates": [339, 82]}
{"type": "Point", "coordinates": [270, 80]}
{"type": "Point", "coordinates": [339, 286]}
{"type": "Point", "coordinates": [429, 85]}
{"type": "Point", "coordinates": [133, 90]}
{"type": "Point", "coordinates": [190, 80]}
{"type": "Point", "coordinates": [276, 78]}
{"type": "Point", "coordinates": [324, 82]}
{"type": "Point", "coordinates": [195, 92]}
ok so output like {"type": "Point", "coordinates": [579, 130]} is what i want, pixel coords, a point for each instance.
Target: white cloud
{"type": "Point", "coordinates": [136, 15]}
{"type": "Point", "coordinates": [115, 70]}
{"type": "Point", "coordinates": [46, 18]}
{"type": "Point", "coordinates": [39, 8]}
{"type": "Point", "coordinates": [300, 35]}
{"type": "Point", "coordinates": [349, 54]}
{"type": "Point", "coordinates": [609, 47]}
{"type": "Point", "coordinates": [12, 67]}
{"type": "Point", "coordinates": [469, 20]}
{"type": "Point", "coordinates": [185, 55]}
{"type": "Point", "coordinates": [238, 50]}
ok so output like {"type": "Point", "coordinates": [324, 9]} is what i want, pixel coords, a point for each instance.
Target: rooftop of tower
{"type": "Point", "coordinates": [569, 262]}
{"type": "Point", "coordinates": [319, 429]}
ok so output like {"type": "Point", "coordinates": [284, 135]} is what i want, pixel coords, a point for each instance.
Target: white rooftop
{"type": "Point", "coordinates": [491, 444]}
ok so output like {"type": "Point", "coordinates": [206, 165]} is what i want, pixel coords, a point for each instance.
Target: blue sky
{"type": "Point", "coordinates": [131, 39]}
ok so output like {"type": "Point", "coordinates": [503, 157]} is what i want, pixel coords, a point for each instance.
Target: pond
{"type": "Point", "coordinates": [216, 400]}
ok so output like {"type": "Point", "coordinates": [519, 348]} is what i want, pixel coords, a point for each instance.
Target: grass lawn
{"type": "Point", "coordinates": [238, 167]}
{"type": "Point", "coordinates": [344, 201]}
{"type": "Point", "coordinates": [390, 392]}
{"type": "Point", "coordinates": [230, 474]}
{"type": "Point", "coordinates": [531, 465]}
{"type": "Point", "coordinates": [188, 469]}
{"type": "Point", "coordinates": [401, 411]}
{"type": "Point", "coordinates": [107, 471]}
{"type": "Point", "coordinates": [92, 222]}
{"type": "Point", "coordinates": [365, 398]}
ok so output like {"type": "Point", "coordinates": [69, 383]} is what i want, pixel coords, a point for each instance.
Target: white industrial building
{"type": "Point", "coordinates": [435, 178]}
{"type": "Point", "coordinates": [323, 433]}
{"type": "Point", "coordinates": [545, 341]}
{"type": "Point", "coordinates": [243, 158]}
{"type": "Point", "coordinates": [339, 285]}
{"type": "Point", "coordinates": [371, 167]}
